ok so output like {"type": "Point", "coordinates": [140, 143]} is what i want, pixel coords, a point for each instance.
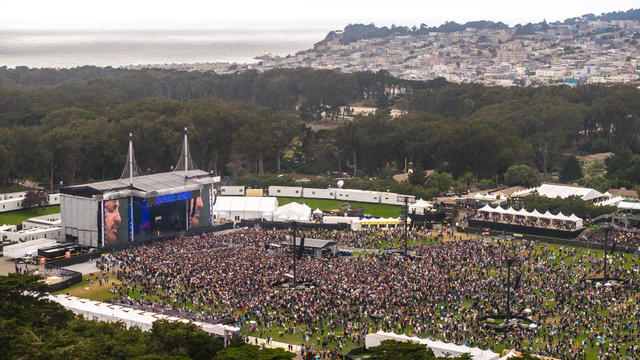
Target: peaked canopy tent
{"type": "Point", "coordinates": [293, 212]}
{"type": "Point", "coordinates": [560, 217]}
{"type": "Point", "coordinates": [419, 207]}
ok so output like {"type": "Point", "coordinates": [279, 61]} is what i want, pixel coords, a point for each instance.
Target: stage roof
{"type": "Point", "coordinates": [312, 243]}
{"type": "Point", "coordinates": [144, 186]}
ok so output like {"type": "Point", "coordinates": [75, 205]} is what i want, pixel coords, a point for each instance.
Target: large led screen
{"type": "Point", "coordinates": [116, 221]}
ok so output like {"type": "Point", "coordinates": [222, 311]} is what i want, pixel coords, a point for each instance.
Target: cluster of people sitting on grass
{"type": "Point", "coordinates": [442, 293]}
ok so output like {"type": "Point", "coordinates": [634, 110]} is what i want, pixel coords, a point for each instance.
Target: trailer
{"type": "Point", "coordinates": [395, 199]}
{"type": "Point", "coordinates": [254, 192]}
{"type": "Point", "coordinates": [285, 191]}
{"type": "Point", "coordinates": [59, 251]}
{"type": "Point", "coordinates": [357, 195]}
{"type": "Point", "coordinates": [312, 193]}
{"type": "Point", "coordinates": [232, 190]}
{"type": "Point", "coordinates": [27, 248]}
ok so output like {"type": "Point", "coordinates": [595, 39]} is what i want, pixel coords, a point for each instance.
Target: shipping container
{"type": "Point", "coordinates": [285, 191]}
{"type": "Point", "coordinates": [312, 193]}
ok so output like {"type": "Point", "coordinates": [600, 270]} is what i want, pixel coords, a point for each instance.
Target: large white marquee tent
{"type": "Point", "coordinates": [564, 191]}
{"type": "Point", "coordinates": [237, 208]}
{"type": "Point", "coordinates": [533, 214]}
{"type": "Point", "coordinates": [293, 212]}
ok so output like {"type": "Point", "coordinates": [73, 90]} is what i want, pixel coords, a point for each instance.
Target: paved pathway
{"type": "Point", "coordinates": [273, 344]}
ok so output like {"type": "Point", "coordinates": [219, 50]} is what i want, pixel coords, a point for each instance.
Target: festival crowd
{"type": "Point", "coordinates": [445, 292]}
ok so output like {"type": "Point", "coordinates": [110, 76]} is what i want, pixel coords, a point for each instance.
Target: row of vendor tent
{"type": "Point", "coordinates": [99, 311]}
{"type": "Point", "coordinates": [439, 348]}
{"type": "Point", "coordinates": [533, 214]}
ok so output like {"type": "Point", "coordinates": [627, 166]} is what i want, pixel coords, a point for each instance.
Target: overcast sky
{"type": "Point", "coordinates": [193, 14]}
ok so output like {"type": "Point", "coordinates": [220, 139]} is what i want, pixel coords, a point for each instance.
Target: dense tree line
{"type": "Point", "coordinates": [32, 327]}
{"type": "Point", "coordinates": [71, 125]}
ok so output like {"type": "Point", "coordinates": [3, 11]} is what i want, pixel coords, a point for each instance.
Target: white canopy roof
{"type": "Point", "coordinates": [535, 214]}
{"type": "Point", "coordinates": [439, 348]}
{"type": "Point", "coordinates": [317, 211]}
{"type": "Point", "coordinates": [227, 207]}
{"type": "Point", "coordinates": [629, 205]}
{"type": "Point", "coordinates": [130, 316]}
{"type": "Point", "coordinates": [292, 211]}
{"type": "Point", "coordinates": [563, 191]}
{"type": "Point", "coordinates": [420, 204]}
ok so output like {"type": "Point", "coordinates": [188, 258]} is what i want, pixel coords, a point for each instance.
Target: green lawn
{"type": "Point", "coordinates": [89, 288]}
{"type": "Point", "coordinates": [16, 217]}
{"type": "Point", "coordinates": [380, 210]}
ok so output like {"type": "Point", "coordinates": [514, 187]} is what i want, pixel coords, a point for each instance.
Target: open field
{"type": "Point", "coordinates": [89, 288]}
{"type": "Point", "coordinates": [380, 210]}
{"type": "Point", "coordinates": [18, 216]}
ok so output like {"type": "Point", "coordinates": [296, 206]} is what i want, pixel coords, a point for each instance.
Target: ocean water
{"type": "Point", "coordinates": [64, 49]}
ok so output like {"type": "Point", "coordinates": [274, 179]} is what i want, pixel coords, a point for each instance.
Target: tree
{"type": "Point", "coordinates": [398, 350]}
{"type": "Point", "coordinates": [571, 169]}
{"type": "Point", "coordinates": [598, 182]}
{"type": "Point", "coordinates": [522, 175]}
{"type": "Point", "coordinates": [417, 176]}
{"type": "Point", "coordinates": [253, 352]}
{"type": "Point", "coordinates": [440, 181]}
{"type": "Point", "coordinates": [177, 339]}
{"type": "Point", "coordinates": [35, 198]}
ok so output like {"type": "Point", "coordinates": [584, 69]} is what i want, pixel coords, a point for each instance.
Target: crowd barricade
{"type": "Point", "coordinates": [69, 277]}
{"type": "Point", "coordinates": [558, 241]}
{"type": "Point", "coordinates": [279, 225]}
{"type": "Point", "coordinates": [522, 229]}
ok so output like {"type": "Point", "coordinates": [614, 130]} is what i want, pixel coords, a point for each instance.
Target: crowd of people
{"type": "Point", "coordinates": [444, 292]}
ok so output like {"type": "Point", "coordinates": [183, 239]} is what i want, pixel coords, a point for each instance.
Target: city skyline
{"type": "Point", "coordinates": [196, 14]}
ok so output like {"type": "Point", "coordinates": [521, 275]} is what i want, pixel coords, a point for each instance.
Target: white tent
{"type": "Point", "coordinates": [293, 211]}
{"type": "Point", "coordinates": [535, 214]}
{"type": "Point", "coordinates": [419, 207]}
{"type": "Point", "coordinates": [563, 191]}
{"type": "Point", "coordinates": [439, 348]}
{"type": "Point", "coordinates": [626, 205]}
{"type": "Point", "coordinates": [99, 311]}
{"type": "Point", "coordinates": [317, 211]}
{"type": "Point", "coordinates": [236, 208]}
{"type": "Point", "coordinates": [511, 211]}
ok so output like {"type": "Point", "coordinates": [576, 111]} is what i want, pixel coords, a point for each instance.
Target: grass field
{"type": "Point", "coordinates": [89, 288]}
{"type": "Point", "coordinates": [380, 210]}
{"type": "Point", "coordinates": [18, 216]}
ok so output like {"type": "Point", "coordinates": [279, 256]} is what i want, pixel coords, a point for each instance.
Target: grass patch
{"type": "Point", "coordinates": [94, 292]}
{"type": "Point", "coordinates": [18, 216]}
{"type": "Point", "coordinates": [381, 210]}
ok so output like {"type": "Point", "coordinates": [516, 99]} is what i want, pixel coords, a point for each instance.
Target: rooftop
{"type": "Point", "coordinates": [145, 185]}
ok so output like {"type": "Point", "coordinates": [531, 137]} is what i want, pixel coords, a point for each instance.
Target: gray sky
{"type": "Point", "coordinates": [193, 14]}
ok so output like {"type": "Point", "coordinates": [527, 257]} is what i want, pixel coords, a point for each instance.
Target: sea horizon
{"type": "Point", "coordinates": [68, 48]}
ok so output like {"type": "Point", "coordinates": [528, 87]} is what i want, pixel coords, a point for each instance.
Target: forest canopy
{"type": "Point", "coordinates": [70, 125]}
